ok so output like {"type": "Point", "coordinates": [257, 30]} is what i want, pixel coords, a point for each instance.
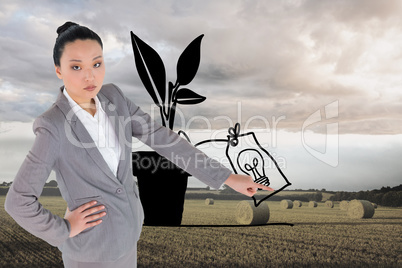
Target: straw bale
{"type": "Point", "coordinates": [359, 209]}
{"type": "Point", "coordinates": [297, 203]}
{"type": "Point", "coordinates": [209, 201]}
{"type": "Point", "coordinates": [312, 204]}
{"type": "Point", "coordinates": [329, 204]}
{"type": "Point", "coordinates": [286, 204]}
{"type": "Point", "coordinates": [343, 205]}
{"type": "Point", "coordinates": [248, 214]}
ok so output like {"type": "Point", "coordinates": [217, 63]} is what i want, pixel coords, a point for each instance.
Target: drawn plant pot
{"type": "Point", "coordinates": [162, 186]}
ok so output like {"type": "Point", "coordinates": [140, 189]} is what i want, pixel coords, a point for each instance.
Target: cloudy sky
{"type": "Point", "coordinates": [319, 80]}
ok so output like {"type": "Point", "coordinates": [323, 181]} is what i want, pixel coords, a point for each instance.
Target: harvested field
{"type": "Point", "coordinates": [320, 237]}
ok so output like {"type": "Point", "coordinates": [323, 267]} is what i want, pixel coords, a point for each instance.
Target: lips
{"type": "Point", "coordinates": [90, 88]}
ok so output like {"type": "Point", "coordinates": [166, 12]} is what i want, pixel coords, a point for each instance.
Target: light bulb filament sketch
{"type": "Point", "coordinates": [253, 166]}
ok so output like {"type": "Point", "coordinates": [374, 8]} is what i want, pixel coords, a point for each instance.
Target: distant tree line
{"type": "Point", "coordinates": [219, 196]}
{"type": "Point", "coordinates": [386, 196]}
{"type": "Point", "coordinates": [229, 194]}
{"type": "Point", "coordinates": [311, 190]}
{"type": "Point", "coordinates": [50, 188]}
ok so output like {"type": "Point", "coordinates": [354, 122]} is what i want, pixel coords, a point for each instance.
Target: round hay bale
{"type": "Point", "coordinates": [209, 201]}
{"type": "Point", "coordinates": [329, 204]}
{"type": "Point", "coordinates": [374, 205]}
{"type": "Point", "coordinates": [248, 214]}
{"type": "Point", "coordinates": [343, 205]}
{"type": "Point", "coordinates": [312, 204]}
{"type": "Point", "coordinates": [359, 209]}
{"type": "Point", "coordinates": [286, 204]}
{"type": "Point", "coordinates": [297, 203]}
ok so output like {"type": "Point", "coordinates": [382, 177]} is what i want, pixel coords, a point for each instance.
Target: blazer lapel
{"type": "Point", "coordinates": [82, 137]}
{"type": "Point", "coordinates": [117, 124]}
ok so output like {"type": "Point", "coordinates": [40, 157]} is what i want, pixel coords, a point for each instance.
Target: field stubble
{"type": "Point", "coordinates": [320, 237]}
{"type": "Point", "coordinates": [19, 248]}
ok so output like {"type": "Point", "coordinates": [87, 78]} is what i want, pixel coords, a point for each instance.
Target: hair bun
{"type": "Point", "coordinates": [65, 26]}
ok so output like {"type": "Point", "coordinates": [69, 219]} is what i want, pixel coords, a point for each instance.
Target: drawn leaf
{"type": "Point", "coordinates": [187, 96]}
{"type": "Point", "coordinates": [189, 61]}
{"type": "Point", "coordinates": [150, 68]}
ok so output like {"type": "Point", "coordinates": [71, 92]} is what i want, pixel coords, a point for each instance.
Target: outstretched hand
{"type": "Point", "coordinates": [84, 217]}
{"type": "Point", "coordinates": [245, 184]}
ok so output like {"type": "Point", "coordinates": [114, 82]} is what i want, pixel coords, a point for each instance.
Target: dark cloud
{"type": "Point", "coordinates": [279, 59]}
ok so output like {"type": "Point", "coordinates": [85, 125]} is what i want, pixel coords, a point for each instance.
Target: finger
{"type": "Point", "coordinates": [251, 191]}
{"type": "Point", "coordinates": [93, 210]}
{"type": "Point", "coordinates": [92, 224]}
{"type": "Point", "coordinates": [87, 205]}
{"type": "Point", "coordinates": [260, 186]}
{"type": "Point", "coordinates": [95, 216]}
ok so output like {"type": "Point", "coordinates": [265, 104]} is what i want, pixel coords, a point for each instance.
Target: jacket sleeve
{"type": "Point", "coordinates": [22, 198]}
{"type": "Point", "coordinates": [178, 150]}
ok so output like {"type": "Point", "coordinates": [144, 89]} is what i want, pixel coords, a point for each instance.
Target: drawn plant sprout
{"type": "Point", "coordinates": [152, 72]}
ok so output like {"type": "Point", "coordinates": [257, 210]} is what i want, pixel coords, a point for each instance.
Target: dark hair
{"type": "Point", "coordinates": [69, 32]}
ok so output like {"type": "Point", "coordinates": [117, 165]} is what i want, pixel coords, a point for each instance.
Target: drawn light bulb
{"type": "Point", "coordinates": [251, 162]}
{"type": "Point", "coordinates": [254, 161]}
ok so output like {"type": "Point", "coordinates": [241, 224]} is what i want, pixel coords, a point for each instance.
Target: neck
{"type": "Point", "coordinates": [90, 106]}
{"type": "Point", "coordinates": [87, 105]}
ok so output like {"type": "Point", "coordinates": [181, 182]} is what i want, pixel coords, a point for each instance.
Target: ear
{"type": "Point", "coordinates": [58, 72]}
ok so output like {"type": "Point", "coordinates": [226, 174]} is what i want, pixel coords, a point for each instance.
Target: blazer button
{"type": "Point", "coordinates": [119, 190]}
{"type": "Point", "coordinates": [112, 107]}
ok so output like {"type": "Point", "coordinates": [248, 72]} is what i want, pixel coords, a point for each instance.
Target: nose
{"type": "Point", "coordinates": [89, 75]}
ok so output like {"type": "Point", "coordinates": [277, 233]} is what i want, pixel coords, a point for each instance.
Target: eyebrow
{"type": "Point", "coordinates": [92, 59]}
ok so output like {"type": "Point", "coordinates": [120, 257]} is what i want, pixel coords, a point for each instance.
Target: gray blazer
{"type": "Point", "coordinates": [63, 144]}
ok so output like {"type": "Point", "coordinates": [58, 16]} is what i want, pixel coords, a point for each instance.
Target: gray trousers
{"type": "Point", "coordinates": [127, 261]}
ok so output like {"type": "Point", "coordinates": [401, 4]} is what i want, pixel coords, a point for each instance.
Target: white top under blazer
{"type": "Point", "coordinates": [101, 130]}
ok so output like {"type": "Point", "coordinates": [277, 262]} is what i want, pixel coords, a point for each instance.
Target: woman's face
{"type": "Point", "coordinates": [82, 69]}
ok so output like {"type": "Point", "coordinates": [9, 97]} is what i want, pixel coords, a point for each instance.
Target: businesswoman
{"type": "Point", "coordinates": [85, 137]}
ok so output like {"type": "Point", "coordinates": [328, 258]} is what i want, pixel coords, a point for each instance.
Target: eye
{"type": "Point", "coordinates": [76, 68]}
{"type": "Point", "coordinates": [97, 65]}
